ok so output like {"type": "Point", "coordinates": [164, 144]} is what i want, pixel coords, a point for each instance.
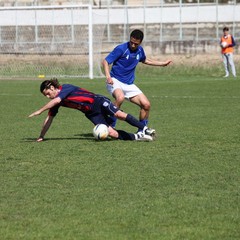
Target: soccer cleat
{"type": "Point", "coordinates": [227, 75]}
{"type": "Point", "coordinates": [149, 131]}
{"type": "Point", "coordinates": [143, 137]}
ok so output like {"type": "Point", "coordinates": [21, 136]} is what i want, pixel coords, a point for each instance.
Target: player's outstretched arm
{"type": "Point", "coordinates": [106, 69]}
{"type": "Point", "coordinates": [46, 125]}
{"type": "Point", "coordinates": [49, 105]}
{"type": "Point", "coordinates": [153, 62]}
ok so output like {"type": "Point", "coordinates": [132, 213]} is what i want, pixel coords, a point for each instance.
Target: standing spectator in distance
{"type": "Point", "coordinates": [227, 43]}
{"type": "Point", "coordinates": [120, 79]}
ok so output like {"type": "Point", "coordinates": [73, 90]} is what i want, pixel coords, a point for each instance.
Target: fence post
{"type": "Point", "coordinates": [90, 44]}
{"type": "Point", "coordinates": [180, 20]}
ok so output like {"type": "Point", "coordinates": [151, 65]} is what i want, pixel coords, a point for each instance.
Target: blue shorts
{"type": "Point", "coordinates": [102, 111]}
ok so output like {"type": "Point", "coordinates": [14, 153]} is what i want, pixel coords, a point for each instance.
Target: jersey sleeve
{"type": "Point", "coordinates": [114, 55]}
{"type": "Point", "coordinates": [66, 90]}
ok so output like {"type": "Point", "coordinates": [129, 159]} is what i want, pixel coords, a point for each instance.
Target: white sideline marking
{"type": "Point", "coordinates": [17, 94]}
{"type": "Point", "coordinates": [196, 97]}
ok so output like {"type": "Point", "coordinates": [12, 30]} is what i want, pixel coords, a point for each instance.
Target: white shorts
{"type": "Point", "coordinates": [129, 90]}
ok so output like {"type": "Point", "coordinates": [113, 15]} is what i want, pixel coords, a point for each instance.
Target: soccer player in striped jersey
{"type": "Point", "coordinates": [97, 108]}
{"type": "Point", "coordinates": [120, 79]}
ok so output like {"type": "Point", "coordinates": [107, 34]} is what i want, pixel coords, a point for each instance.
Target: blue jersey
{"type": "Point", "coordinates": [74, 97]}
{"type": "Point", "coordinates": [124, 62]}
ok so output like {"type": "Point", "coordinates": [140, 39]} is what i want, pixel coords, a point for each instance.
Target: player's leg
{"type": "Point", "coordinates": [99, 118]}
{"type": "Point", "coordinates": [119, 97]}
{"type": "Point", "coordinates": [231, 63]}
{"type": "Point", "coordinates": [143, 131]}
{"type": "Point", "coordinates": [109, 109]}
{"type": "Point", "coordinates": [136, 96]}
{"type": "Point", "coordinates": [103, 108]}
{"type": "Point", "coordinates": [123, 135]}
{"type": "Point", "coordinates": [96, 117]}
{"type": "Point", "coordinates": [225, 63]}
{"type": "Point", "coordinates": [144, 104]}
{"type": "Point", "coordinates": [116, 91]}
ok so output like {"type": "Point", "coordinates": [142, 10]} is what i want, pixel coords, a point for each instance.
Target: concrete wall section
{"type": "Point", "coordinates": [138, 15]}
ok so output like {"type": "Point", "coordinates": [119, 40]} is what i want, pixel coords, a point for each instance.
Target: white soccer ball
{"type": "Point", "coordinates": [100, 131]}
{"type": "Point", "coordinates": [224, 44]}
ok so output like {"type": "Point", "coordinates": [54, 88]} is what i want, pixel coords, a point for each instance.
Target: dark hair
{"type": "Point", "coordinates": [137, 34]}
{"type": "Point", "coordinates": [48, 83]}
{"type": "Point", "coordinates": [225, 29]}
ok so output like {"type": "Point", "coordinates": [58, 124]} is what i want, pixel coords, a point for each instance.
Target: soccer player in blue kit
{"type": "Point", "coordinates": [97, 108]}
{"type": "Point", "coordinates": [120, 79]}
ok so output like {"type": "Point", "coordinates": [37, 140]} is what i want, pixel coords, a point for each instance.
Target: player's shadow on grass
{"type": "Point", "coordinates": [85, 136]}
{"type": "Point", "coordinates": [90, 136]}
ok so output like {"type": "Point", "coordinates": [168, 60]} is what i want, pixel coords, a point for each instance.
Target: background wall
{"type": "Point", "coordinates": [62, 40]}
{"type": "Point", "coordinates": [168, 28]}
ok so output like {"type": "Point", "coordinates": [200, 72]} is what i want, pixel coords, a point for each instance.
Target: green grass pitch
{"type": "Point", "coordinates": [184, 185]}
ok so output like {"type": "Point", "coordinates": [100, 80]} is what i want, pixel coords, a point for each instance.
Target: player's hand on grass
{"type": "Point", "coordinates": [34, 114]}
{"type": "Point", "coordinates": [40, 139]}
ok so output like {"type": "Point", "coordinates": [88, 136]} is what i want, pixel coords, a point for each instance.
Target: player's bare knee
{"type": "Point", "coordinates": [146, 106]}
{"type": "Point", "coordinates": [119, 100]}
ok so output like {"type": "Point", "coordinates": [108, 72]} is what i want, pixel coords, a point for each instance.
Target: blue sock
{"type": "Point", "coordinates": [145, 122]}
{"type": "Point", "coordinates": [134, 122]}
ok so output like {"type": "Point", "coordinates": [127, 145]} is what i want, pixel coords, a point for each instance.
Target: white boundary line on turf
{"type": "Point", "coordinates": [160, 81]}
{"type": "Point", "coordinates": [18, 94]}
{"type": "Point", "coordinates": [198, 97]}
{"type": "Point", "coordinates": [183, 97]}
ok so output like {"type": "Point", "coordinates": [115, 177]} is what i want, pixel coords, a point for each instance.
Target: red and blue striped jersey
{"type": "Point", "coordinates": [74, 97]}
